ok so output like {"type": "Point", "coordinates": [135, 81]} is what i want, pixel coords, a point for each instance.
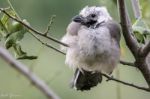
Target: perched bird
{"type": "Point", "coordinates": [93, 38]}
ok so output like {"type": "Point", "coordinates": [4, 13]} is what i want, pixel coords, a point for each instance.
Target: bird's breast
{"type": "Point", "coordinates": [94, 42]}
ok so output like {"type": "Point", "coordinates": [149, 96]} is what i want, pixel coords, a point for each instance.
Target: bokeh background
{"type": "Point", "coordinates": [50, 64]}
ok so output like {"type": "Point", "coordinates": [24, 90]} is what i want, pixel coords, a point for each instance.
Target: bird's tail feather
{"type": "Point", "coordinates": [84, 80]}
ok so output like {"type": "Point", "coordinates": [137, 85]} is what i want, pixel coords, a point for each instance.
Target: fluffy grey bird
{"type": "Point", "coordinates": [93, 38]}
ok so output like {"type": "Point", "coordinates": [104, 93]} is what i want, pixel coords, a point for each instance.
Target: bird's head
{"type": "Point", "coordinates": [91, 16]}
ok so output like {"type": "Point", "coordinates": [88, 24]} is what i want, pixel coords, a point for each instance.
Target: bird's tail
{"type": "Point", "coordinates": [85, 80]}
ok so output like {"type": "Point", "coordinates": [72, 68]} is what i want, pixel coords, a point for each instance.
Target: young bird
{"type": "Point", "coordinates": [93, 38]}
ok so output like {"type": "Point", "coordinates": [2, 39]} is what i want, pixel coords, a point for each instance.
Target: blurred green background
{"type": "Point", "coordinates": [50, 64]}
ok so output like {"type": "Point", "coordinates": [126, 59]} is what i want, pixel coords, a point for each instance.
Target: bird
{"type": "Point", "coordinates": [93, 38]}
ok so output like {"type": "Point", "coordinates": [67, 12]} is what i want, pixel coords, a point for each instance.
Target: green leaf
{"type": "Point", "coordinates": [141, 30]}
{"type": "Point", "coordinates": [9, 43]}
{"type": "Point", "coordinates": [5, 22]}
{"type": "Point", "coordinates": [3, 30]}
{"type": "Point", "coordinates": [4, 19]}
{"type": "Point", "coordinates": [20, 54]}
{"type": "Point", "coordinates": [15, 26]}
{"type": "Point", "coordinates": [140, 38]}
{"type": "Point", "coordinates": [18, 51]}
{"type": "Point", "coordinates": [14, 37]}
{"type": "Point", "coordinates": [28, 57]}
{"type": "Point", "coordinates": [13, 31]}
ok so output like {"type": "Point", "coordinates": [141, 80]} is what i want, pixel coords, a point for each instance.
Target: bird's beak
{"type": "Point", "coordinates": [79, 19]}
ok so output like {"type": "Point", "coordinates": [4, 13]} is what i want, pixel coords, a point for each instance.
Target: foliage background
{"type": "Point", "coordinates": [50, 65]}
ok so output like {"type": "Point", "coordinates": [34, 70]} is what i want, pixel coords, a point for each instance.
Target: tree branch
{"type": "Point", "coordinates": [49, 25]}
{"type": "Point", "coordinates": [127, 63]}
{"type": "Point", "coordinates": [126, 29]}
{"type": "Point", "coordinates": [125, 83]}
{"type": "Point", "coordinates": [38, 83]}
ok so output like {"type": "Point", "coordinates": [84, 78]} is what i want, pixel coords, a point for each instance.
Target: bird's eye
{"type": "Point", "coordinates": [93, 15]}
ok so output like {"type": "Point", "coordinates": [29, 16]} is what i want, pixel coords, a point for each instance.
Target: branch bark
{"type": "Point", "coordinates": [38, 83]}
{"type": "Point", "coordinates": [127, 63]}
{"type": "Point", "coordinates": [143, 66]}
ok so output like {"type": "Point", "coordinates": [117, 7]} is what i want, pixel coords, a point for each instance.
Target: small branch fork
{"type": "Point", "coordinates": [49, 25]}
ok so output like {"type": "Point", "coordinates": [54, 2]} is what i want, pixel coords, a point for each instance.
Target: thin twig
{"type": "Point", "coordinates": [127, 63]}
{"type": "Point", "coordinates": [38, 83]}
{"type": "Point", "coordinates": [49, 24]}
{"type": "Point", "coordinates": [50, 46]}
{"type": "Point", "coordinates": [33, 30]}
{"type": "Point", "coordinates": [125, 83]}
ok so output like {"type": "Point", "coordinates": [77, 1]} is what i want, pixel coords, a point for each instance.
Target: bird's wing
{"type": "Point", "coordinates": [114, 29]}
{"type": "Point", "coordinates": [70, 37]}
